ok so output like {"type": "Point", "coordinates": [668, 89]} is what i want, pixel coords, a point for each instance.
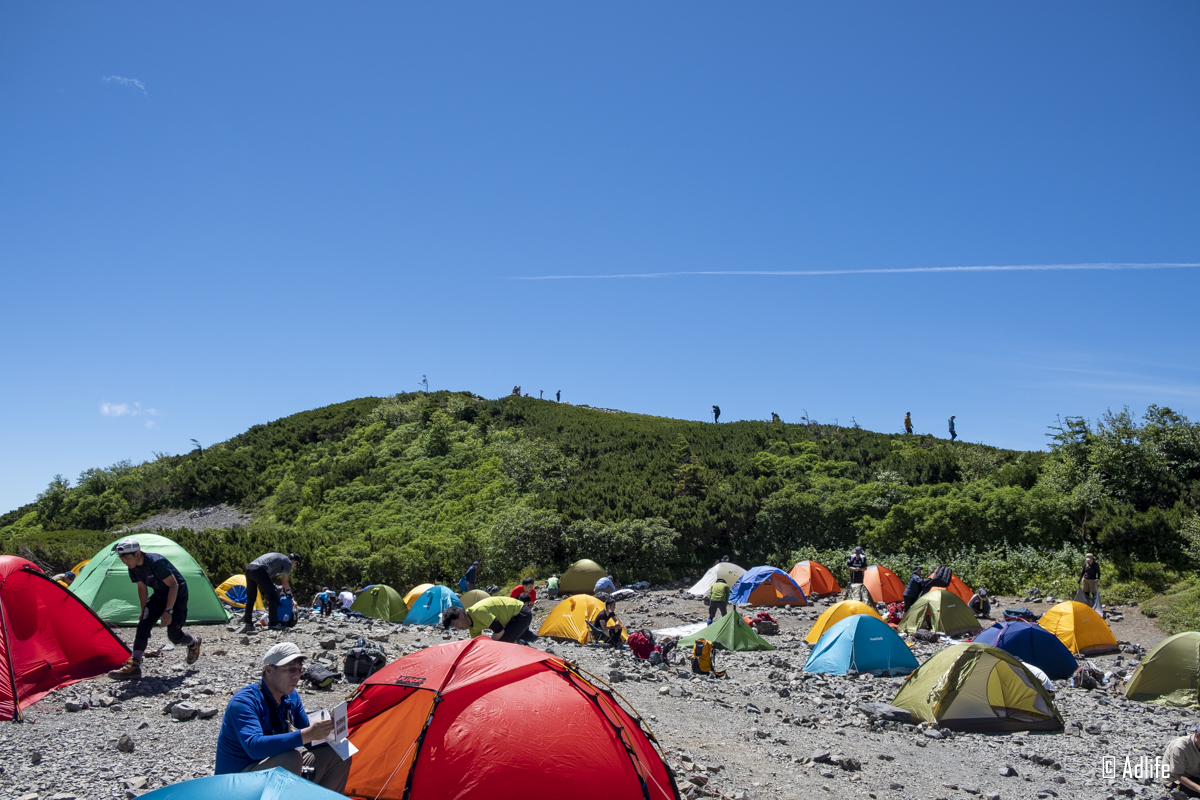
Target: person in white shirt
{"type": "Point", "coordinates": [347, 598]}
{"type": "Point", "coordinates": [1182, 762]}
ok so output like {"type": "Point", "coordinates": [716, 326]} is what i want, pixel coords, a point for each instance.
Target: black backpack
{"type": "Point", "coordinates": [320, 677]}
{"type": "Point", "coordinates": [941, 577]}
{"type": "Point", "coordinates": [363, 661]}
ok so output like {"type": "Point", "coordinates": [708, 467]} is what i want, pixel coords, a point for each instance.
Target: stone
{"type": "Point", "coordinates": [328, 644]}
{"type": "Point", "coordinates": [73, 706]}
{"type": "Point", "coordinates": [138, 783]}
{"type": "Point", "coordinates": [35, 757]}
{"type": "Point", "coordinates": [30, 796]}
{"type": "Point", "coordinates": [616, 676]}
{"type": "Point", "coordinates": [143, 725]}
{"type": "Point", "coordinates": [849, 764]}
{"type": "Point", "coordinates": [971, 789]}
{"type": "Point", "coordinates": [125, 743]}
{"type": "Point", "coordinates": [698, 780]}
{"type": "Point", "coordinates": [753, 709]}
{"type": "Point", "coordinates": [895, 786]}
{"type": "Point", "coordinates": [820, 757]}
{"type": "Point", "coordinates": [1008, 772]}
{"type": "Point", "coordinates": [785, 692]}
{"type": "Point", "coordinates": [62, 796]}
{"type": "Point", "coordinates": [206, 713]}
{"type": "Point", "coordinates": [885, 712]}
{"type": "Point", "coordinates": [826, 774]}
{"type": "Point", "coordinates": [183, 711]}
{"type": "Point", "coordinates": [664, 690]}
{"type": "Point", "coordinates": [933, 733]}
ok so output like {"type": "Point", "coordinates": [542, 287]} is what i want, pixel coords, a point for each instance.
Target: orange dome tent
{"type": "Point", "coordinates": [836, 613]}
{"type": "Point", "coordinates": [569, 619]}
{"type": "Point", "coordinates": [1080, 628]}
{"type": "Point", "coordinates": [814, 578]}
{"type": "Point", "coordinates": [48, 637]}
{"type": "Point", "coordinates": [480, 718]}
{"type": "Point", "coordinates": [884, 586]}
{"type": "Point", "coordinates": [958, 587]}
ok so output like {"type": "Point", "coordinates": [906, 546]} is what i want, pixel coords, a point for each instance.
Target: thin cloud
{"type": "Point", "coordinates": [1103, 266]}
{"type": "Point", "coordinates": [134, 82]}
{"type": "Point", "coordinates": [128, 410]}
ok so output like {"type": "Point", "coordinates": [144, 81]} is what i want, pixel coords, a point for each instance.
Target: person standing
{"type": "Point", "coordinates": [908, 422]}
{"type": "Point", "coordinates": [468, 580]}
{"type": "Point", "coordinates": [716, 413]}
{"type": "Point", "coordinates": [1089, 579]}
{"type": "Point", "coordinates": [265, 726]}
{"type": "Point", "coordinates": [857, 563]}
{"type": "Point", "coordinates": [150, 571]}
{"type": "Point", "coordinates": [540, 392]}
{"type": "Point", "coordinates": [260, 579]}
{"type": "Point", "coordinates": [718, 599]}
{"type": "Point", "coordinates": [558, 396]}
{"type": "Point", "coordinates": [953, 433]}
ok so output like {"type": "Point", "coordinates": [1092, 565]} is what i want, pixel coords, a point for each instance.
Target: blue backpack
{"type": "Point", "coordinates": [287, 611]}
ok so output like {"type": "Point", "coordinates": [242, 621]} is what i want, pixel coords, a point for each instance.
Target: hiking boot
{"type": "Point", "coordinates": [277, 627]}
{"type": "Point", "coordinates": [130, 669]}
{"type": "Point", "coordinates": [248, 628]}
{"type": "Point", "coordinates": [193, 650]}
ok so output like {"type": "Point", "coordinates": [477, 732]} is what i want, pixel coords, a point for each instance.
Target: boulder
{"type": "Point", "coordinates": [885, 712]}
{"type": "Point", "coordinates": [125, 743]}
{"type": "Point", "coordinates": [183, 711]}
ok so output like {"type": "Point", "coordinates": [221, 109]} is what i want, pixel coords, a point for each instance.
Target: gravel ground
{"type": "Point", "coordinates": [766, 731]}
{"type": "Point", "coordinates": [200, 519]}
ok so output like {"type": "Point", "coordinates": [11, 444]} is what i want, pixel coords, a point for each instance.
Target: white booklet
{"type": "Point", "coordinates": [337, 740]}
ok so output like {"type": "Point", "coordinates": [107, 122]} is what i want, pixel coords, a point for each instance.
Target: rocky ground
{"type": "Point", "coordinates": [766, 731]}
{"type": "Point", "coordinates": [200, 519]}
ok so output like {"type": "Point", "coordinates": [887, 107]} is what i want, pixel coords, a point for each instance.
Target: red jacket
{"type": "Point", "coordinates": [517, 592]}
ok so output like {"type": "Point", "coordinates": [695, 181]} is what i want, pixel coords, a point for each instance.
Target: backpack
{"type": "Point", "coordinates": [641, 643]}
{"type": "Point", "coordinates": [286, 615]}
{"type": "Point", "coordinates": [703, 662]}
{"type": "Point", "coordinates": [1020, 613]}
{"type": "Point", "coordinates": [941, 577]}
{"type": "Point", "coordinates": [765, 624]}
{"type": "Point", "coordinates": [319, 676]}
{"type": "Point", "coordinates": [895, 612]}
{"type": "Point", "coordinates": [363, 661]}
{"type": "Point", "coordinates": [462, 585]}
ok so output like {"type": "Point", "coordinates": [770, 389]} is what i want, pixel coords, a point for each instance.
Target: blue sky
{"type": "Point", "coordinates": [214, 218]}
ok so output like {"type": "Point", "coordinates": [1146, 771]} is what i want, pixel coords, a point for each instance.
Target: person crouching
{"type": "Point", "coordinates": [506, 619]}
{"type": "Point", "coordinates": [265, 726]}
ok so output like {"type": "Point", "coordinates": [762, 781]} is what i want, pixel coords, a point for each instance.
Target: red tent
{"type": "Point", "coordinates": [814, 578]}
{"type": "Point", "coordinates": [48, 637]}
{"type": "Point", "coordinates": [479, 718]}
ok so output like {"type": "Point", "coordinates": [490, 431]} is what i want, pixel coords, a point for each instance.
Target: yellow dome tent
{"type": "Point", "coordinates": [233, 592]}
{"type": "Point", "coordinates": [836, 613]}
{"type": "Point", "coordinates": [569, 619]}
{"type": "Point", "coordinates": [1080, 628]}
{"type": "Point", "coordinates": [416, 592]}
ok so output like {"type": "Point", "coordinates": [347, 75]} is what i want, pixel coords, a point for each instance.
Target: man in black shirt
{"type": "Point", "coordinates": [612, 633]}
{"type": "Point", "coordinates": [857, 564]}
{"type": "Point", "coordinates": [916, 587]}
{"type": "Point", "coordinates": [1089, 579]}
{"type": "Point", "coordinates": [168, 602]}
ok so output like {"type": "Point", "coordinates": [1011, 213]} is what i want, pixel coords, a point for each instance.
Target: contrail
{"type": "Point", "coordinates": [1111, 267]}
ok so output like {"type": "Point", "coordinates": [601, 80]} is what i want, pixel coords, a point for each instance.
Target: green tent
{"type": "Point", "coordinates": [381, 602]}
{"type": "Point", "coordinates": [730, 632]}
{"type": "Point", "coordinates": [977, 687]}
{"type": "Point", "coordinates": [941, 612]}
{"type": "Point", "coordinates": [105, 586]}
{"type": "Point", "coordinates": [581, 577]}
{"type": "Point", "coordinates": [1169, 674]}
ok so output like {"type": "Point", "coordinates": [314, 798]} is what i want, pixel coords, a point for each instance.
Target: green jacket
{"type": "Point", "coordinates": [720, 591]}
{"type": "Point", "coordinates": [493, 609]}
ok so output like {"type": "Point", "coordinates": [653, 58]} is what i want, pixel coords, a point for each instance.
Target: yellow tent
{"type": "Point", "coordinates": [569, 619]}
{"type": "Point", "coordinates": [836, 613]}
{"type": "Point", "coordinates": [417, 591]}
{"type": "Point", "coordinates": [1080, 628]}
{"type": "Point", "coordinates": [78, 568]}
{"type": "Point", "coordinates": [233, 592]}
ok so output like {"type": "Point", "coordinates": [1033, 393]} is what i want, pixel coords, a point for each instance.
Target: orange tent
{"type": "Point", "coordinates": [958, 587]}
{"type": "Point", "coordinates": [48, 637]}
{"type": "Point", "coordinates": [883, 585]}
{"type": "Point", "coordinates": [479, 718]}
{"type": "Point", "coordinates": [814, 578]}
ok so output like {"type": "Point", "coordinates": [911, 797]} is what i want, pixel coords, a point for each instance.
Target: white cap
{"type": "Point", "coordinates": [282, 653]}
{"type": "Point", "coordinates": [126, 546]}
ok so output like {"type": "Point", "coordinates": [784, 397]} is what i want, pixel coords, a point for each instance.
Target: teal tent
{"type": "Point", "coordinates": [427, 609]}
{"type": "Point", "coordinates": [861, 643]}
{"type": "Point", "coordinates": [105, 586]}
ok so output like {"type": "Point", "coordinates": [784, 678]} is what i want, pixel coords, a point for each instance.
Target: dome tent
{"type": "Point", "coordinates": [1032, 644]}
{"type": "Point", "coordinates": [978, 688]}
{"type": "Point", "coordinates": [722, 569]}
{"type": "Point", "coordinates": [862, 643]}
{"type": "Point", "coordinates": [814, 579]}
{"type": "Point", "coordinates": [766, 586]}
{"type": "Point", "coordinates": [381, 602]}
{"type": "Point", "coordinates": [1169, 674]}
{"type": "Point", "coordinates": [883, 585]}
{"type": "Point", "coordinates": [267, 784]}
{"type": "Point", "coordinates": [581, 577]}
{"type": "Point", "coordinates": [568, 620]}
{"type": "Point", "coordinates": [428, 608]}
{"type": "Point", "coordinates": [232, 590]}
{"type": "Point", "coordinates": [105, 586]}
{"type": "Point", "coordinates": [416, 592]}
{"type": "Point", "coordinates": [956, 586]}
{"type": "Point", "coordinates": [426, 726]}
{"type": "Point", "coordinates": [836, 613]}
{"type": "Point", "coordinates": [1080, 628]}
{"type": "Point", "coordinates": [48, 637]}
{"type": "Point", "coordinates": [472, 597]}
{"type": "Point", "coordinates": [730, 632]}
{"type": "Point", "coordinates": [941, 612]}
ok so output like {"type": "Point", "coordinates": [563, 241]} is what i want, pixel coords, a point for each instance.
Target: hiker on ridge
{"type": "Point", "coordinates": [168, 602]}
{"type": "Point", "coordinates": [716, 413]}
{"type": "Point", "coordinates": [260, 579]}
{"type": "Point", "coordinates": [265, 726]}
{"type": "Point", "coordinates": [908, 422]}
{"type": "Point", "coordinates": [953, 433]}
{"type": "Point", "coordinates": [718, 599]}
{"type": "Point", "coordinates": [558, 396]}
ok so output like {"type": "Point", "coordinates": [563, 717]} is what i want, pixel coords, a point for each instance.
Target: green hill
{"type": "Point", "coordinates": [413, 487]}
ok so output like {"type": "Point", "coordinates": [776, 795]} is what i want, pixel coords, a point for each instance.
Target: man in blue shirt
{"type": "Point", "coordinates": [168, 602]}
{"type": "Point", "coordinates": [605, 584]}
{"type": "Point", "coordinates": [265, 726]}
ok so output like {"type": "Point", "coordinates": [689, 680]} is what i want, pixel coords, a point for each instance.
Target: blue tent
{"type": "Point", "coordinates": [427, 609]}
{"type": "Point", "coordinates": [268, 784]}
{"type": "Point", "coordinates": [1032, 644]}
{"type": "Point", "coordinates": [767, 586]}
{"type": "Point", "coordinates": [861, 643]}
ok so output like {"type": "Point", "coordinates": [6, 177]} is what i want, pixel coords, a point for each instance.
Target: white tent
{"type": "Point", "coordinates": [724, 569]}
